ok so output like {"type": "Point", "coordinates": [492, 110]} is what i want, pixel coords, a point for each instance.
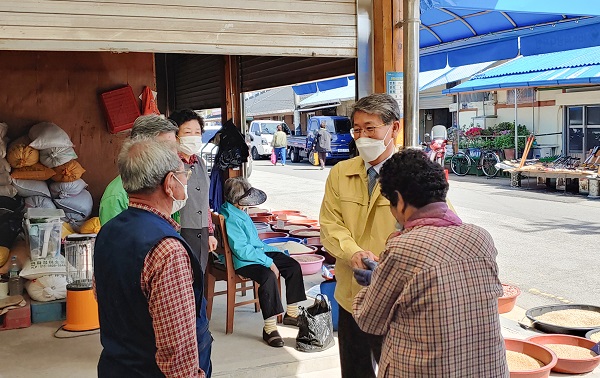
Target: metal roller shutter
{"type": "Point", "coordinates": [259, 72]}
{"type": "Point", "coordinates": [198, 81]}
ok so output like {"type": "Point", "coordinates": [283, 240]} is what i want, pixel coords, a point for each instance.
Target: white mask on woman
{"type": "Point", "coordinates": [179, 204]}
{"type": "Point", "coordinates": [190, 145]}
{"type": "Point", "coordinates": [370, 149]}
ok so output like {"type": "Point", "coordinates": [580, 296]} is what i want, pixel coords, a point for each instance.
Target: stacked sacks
{"type": "Point", "coordinates": [47, 153]}
{"type": "Point", "coordinates": [6, 189]}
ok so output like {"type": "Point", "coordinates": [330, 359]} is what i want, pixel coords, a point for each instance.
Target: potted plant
{"type": "Point", "coordinates": [505, 138]}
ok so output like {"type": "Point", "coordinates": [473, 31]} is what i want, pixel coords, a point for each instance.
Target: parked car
{"type": "Point", "coordinates": [300, 147]}
{"type": "Point", "coordinates": [209, 148]}
{"type": "Point", "coordinates": [261, 135]}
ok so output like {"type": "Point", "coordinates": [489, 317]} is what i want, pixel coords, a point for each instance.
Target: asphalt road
{"type": "Point", "coordinates": [548, 243]}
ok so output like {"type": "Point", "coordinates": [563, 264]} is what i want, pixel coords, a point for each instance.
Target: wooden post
{"type": "Point", "coordinates": [230, 106]}
{"type": "Point", "coordinates": [387, 45]}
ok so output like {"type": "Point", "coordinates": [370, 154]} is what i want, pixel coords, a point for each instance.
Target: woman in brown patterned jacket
{"type": "Point", "coordinates": [434, 294]}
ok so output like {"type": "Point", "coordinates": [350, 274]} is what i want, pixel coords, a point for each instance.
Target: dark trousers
{"type": "Point", "coordinates": [204, 351]}
{"type": "Point", "coordinates": [322, 158]}
{"type": "Point", "coordinates": [268, 291]}
{"type": "Point", "coordinates": [359, 351]}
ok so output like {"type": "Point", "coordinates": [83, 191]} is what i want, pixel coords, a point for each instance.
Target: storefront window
{"type": "Point", "coordinates": [592, 137]}
{"type": "Point", "coordinates": [576, 116]}
{"type": "Point", "coordinates": [583, 128]}
{"type": "Point", "coordinates": [575, 139]}
{"type": "Point", "coordinates": [593, 115]}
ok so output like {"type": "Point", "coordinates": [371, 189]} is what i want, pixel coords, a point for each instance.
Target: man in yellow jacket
{"type": "Point", "coordinates": [356, 221]}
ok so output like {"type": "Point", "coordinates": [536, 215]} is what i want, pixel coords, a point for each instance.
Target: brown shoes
{"type": "Point", "coordinates": [273, 339]}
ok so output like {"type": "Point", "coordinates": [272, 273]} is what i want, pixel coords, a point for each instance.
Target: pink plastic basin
{"type": "Point", "coordinates": [545, 355]}
{"type": "Point", "coordinates": [569, 365]}
{"type": "Point", "coordinates": [310, 264]}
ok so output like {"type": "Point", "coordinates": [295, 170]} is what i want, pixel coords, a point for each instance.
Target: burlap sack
{"type": "Point", "coordinates": [37, 172]}
{"type": "Point", "coordinates": [68, 172]}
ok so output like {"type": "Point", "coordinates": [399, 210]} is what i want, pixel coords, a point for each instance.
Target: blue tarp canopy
{"type": "Point", "coordinates": [460, 32]}
{"type": "Point", "coordinates": [320, 86]}
{"type": "Point", "coordinates": [573, 67]}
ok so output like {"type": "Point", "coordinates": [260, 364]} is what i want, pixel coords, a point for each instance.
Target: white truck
{"type": "Point", "coordinates": [261, 135]}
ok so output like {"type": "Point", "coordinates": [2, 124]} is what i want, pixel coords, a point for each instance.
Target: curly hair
{"type": "Point", "coordinates": [416, 178]}
{"type": "Point", "coordinates": [182, 116]}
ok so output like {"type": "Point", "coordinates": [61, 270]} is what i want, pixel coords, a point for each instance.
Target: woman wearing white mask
{"type": "Point", "coordinates": [194, 217]}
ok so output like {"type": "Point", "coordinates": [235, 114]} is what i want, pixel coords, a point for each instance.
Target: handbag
{"type": "Point", "coordinates": [315, 326]}
{"type": "Point", "coordinates": [273, 157]}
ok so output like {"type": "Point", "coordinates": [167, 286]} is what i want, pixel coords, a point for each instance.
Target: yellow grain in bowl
{"type": "Point", "coordinates": [595, 337]}
{"type": "Point", "coordinates": [521, 362]}
{"type": "Point", "coordinates": [572, 352]}
{"type": "Point", "coordinates": [572, 318]}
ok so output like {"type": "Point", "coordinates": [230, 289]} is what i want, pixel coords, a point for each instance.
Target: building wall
{"type": "Point", "coordinates": [64, 88]}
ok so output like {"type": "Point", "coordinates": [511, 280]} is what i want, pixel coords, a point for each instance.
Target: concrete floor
{"type": "Point", "coordinates": [34, 352]}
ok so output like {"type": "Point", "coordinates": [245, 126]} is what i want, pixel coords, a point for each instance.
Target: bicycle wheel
{"type": "Point", "coordinates": [488, 163]}
{"type": "Point", "coordinates": [460, 164]}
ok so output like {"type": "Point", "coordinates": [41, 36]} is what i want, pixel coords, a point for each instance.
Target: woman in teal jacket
{"type": "Point", "coordinates": [262, 263]}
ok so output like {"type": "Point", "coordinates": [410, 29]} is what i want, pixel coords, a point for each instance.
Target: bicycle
{"type": "Point", "coordinates": [486, 160]}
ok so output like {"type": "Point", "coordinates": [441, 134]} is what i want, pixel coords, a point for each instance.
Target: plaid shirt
{"type": "Point", "coordinates": [167, 283]}
{"type": "Point", "coordinates": [434, 297]}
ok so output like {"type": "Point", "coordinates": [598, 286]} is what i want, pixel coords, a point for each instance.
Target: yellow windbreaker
{"type": "Point", "coordinates": [351, 223]}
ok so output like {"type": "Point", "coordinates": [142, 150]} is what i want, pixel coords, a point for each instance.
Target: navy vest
{"type": "Point", "coordinates": [126, 329]}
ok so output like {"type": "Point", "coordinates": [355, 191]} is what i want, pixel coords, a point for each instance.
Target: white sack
{"type": "Point", "coordinates": [55, 156]}
{"type": "Point", "coordinates": [67, 189]}
{"type": "Point", "coordinates": [8, 191]}
{"type": "Point", "coordinates": [47, 288]}
{"type": "Point", "coordinates": [39, 202]}
{"type": "Point", "coordinates": [33, 269]}
{"type": "Point", "coordinates": [28, 188]}
{"type": "Point", "coordinates": [48, 135]}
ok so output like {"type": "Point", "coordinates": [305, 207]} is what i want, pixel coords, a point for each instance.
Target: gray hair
{"type": "Point", "coordinates": [150, 126]}
{"type": "Point", "coordinates": [234, 188]}
{"type": "Point", "coordinates": [143, 164]}
{"type": "Point", "coordinates": [380, 104]}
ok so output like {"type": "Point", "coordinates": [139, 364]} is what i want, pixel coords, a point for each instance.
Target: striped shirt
{"type": "Point", "coordinates": [167, 283]}
{"type": "Point", "coordinates": [434, 296]}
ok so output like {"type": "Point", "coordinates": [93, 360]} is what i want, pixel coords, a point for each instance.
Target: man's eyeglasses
{"type": "Point", "coordinates": [187, 172]}
{"type": "Point", "coordinates": [368, 131]}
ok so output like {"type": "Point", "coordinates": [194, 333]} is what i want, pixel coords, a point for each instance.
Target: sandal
{"type": "Point", "coordinates": [273, 339]}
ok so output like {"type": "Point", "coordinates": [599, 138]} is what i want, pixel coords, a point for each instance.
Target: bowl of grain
{"type": "Point", "coordinates": [593, 335]}
{"type": "Point", "coordinates": [527, 359]}
{"type": "Point", "coordinates": [573, 319]}
{"type": "Point", "coordinates": [272, 234]}
{"type": "Point", "coordinates": [573, 353]}
{"type": "Point", "coordinates": [292, 245]}
{"type": "Point", "coordinates": [310, 264]}
{"type": "Point", "coordinates": [306, 233]}
{"type": "Point", "coordinates": [508, 299]}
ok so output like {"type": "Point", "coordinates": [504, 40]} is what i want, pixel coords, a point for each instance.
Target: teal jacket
{"type": "Point", "coordinates": [243, 239]}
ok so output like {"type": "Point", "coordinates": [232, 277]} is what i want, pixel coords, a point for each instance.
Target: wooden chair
{"type": "Point", "coordinates": [219, 272]}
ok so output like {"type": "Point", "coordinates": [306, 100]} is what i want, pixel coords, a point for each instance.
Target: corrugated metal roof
{"type": "Point", "coordinates": [453, 74]}
{"type": "Point", "coordinates": [544, 62]}
{"type": "Point", "coordinates": [562, 76]}
{"type": "Point", "coordinates": [272, 101]}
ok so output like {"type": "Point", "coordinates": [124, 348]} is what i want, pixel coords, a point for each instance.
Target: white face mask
{"type": "Point", "coordinates": [370, 149]}
{"type": "Point", "coordinates": [190, 145]}
{"type": "Point", "coordinates": [179, 204]}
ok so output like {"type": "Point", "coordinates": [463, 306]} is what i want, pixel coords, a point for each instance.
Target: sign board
{"type": "Point", "coordinates": [395, 88]}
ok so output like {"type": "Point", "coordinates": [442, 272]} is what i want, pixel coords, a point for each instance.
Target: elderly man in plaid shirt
{"type": "Point", "coordinates": [434, 294]}
{"type": "Point", "coordinates": [149, 284]}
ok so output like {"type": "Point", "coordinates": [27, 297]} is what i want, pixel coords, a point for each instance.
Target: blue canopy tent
{"type": "Point", "coordinates": [459, 32]}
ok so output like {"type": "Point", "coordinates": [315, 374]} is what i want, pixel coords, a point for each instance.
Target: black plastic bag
{"type": "Point", "coordinates": [315, 327]}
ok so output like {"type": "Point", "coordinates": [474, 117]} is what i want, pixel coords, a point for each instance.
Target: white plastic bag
{"type": "Point", "coordinates": [47, 288]}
